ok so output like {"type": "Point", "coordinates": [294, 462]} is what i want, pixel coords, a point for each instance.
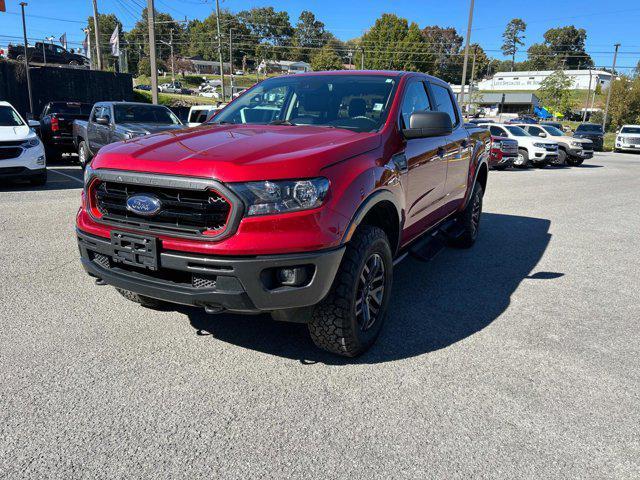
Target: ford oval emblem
{"type": "Point", "coordinates": [145, 205]}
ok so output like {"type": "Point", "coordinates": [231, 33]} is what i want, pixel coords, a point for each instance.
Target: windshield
{"type": "Point", "coordinates": [9, 117]}
{"type": "Point", "coordinates": [70, 108]}
{"type": "Point", "coordinates": [586, 127]}
{"type": "Point", "coordinates": [553, 131]}
{"type": "Point", "coordinates": [144, 114]}
{"type": "Point", "coordinates": [516, 131]}
{"type": "Point", "coordinates": [630, 130]}
{"type": "Point", "coordinates": [354, 102]}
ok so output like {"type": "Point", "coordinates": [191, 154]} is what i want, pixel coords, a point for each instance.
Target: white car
{"type": "Point", "coordinates": [571, 151]}
{"type": "Point", "coordinates": [198, 114]}
{"type": "Point", "coordinates": [21, 151]}
{"type": "Point", "coordinates": [628, 138]}
{"type": "Point", "coordinates": [171, 87]}
{"type": "Point", "coordinates": [531, 150]}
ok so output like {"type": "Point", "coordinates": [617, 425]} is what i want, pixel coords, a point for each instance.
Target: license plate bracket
{"type": "Point", "coordinates": [135, 250]}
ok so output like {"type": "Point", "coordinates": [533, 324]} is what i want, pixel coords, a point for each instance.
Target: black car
{"type": "Point", "coordinates": [47, 53]}
{"type": "Point", "coordinates": [593, 132]}
{"type": "Point", "coordinates": [56, 126]}
{"type": "Point", "coordinates": [143, 87]}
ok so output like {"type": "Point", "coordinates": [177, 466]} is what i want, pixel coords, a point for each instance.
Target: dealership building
{"type": "Point", "coordinates": [502, 81]}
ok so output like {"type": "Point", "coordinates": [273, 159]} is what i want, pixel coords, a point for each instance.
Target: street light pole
{"type": "Point", "coordinates": [613, 77]}
{"type": "Point", "coordinates": [220, 48]}
{"type": "Point", "coordinates": [151, 16]}
{"type": "Point", "coordinates": [231, 63]}
{"type": "Point", "coordinates": [26, 57]}
{"type": "Point", "coordinates": [586, 102]}
{"type": "Point", "coordinates": [96, 30]}
{"type": "Point", "coordinates": [173, 74]}
{"type": "Point", "coordinates": [466, 54]}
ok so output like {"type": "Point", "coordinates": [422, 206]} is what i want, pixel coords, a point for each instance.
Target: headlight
{"type": "Point", "coordinates": [265, 198]}
{"type": "Point", "coordinates": [32, 142]}
{"type": "Point", "coordinates": [577, 144]}
{"type": "Point", "coordinates": [620, 139]}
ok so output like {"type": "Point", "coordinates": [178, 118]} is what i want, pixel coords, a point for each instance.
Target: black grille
{"type": "Point", "coordinates": [11, 152]}
{"type": "Point", "coordinates": [199, 281]}
{"type": "Point", "coordinates": [182, 211]}
{"type": "Point", "coordinates": [101, 260]}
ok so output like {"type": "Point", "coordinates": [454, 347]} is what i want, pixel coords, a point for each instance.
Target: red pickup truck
{"type": "Point", "coordinates": [296, 199]}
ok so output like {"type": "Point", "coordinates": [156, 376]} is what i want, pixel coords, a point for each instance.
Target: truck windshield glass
{"type": "Point", "coordinates": [517, 131]}
{"type": "Point", "coordinates": [553, 131]}
{"type": "Point", "coordinates": [144, 114]}
{"type": "Point", "coordinates": [9, 117]}
{"type": "Point", "coordinates": [585, 127]}
{"type": "Point", "coordinates": [630, 130]}
{"type": "Point", "coordinates": [354, 102]}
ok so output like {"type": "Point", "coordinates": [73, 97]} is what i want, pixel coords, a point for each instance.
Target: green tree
{"type": "Point", "coordinates": [326, 59]}
{"type": "Point", "coordinates": [625, 102]}
{"type": "Point", "coordinates": [563, 47]}
{"type": "Point", "coordinates": [381, 42]}
{"type": "Point", "coordinates": [513, 35]}
{"type": "Point", "coordinates": [308, 35]}
{"type": "Point", "coordinates": [270, 31]}
{"type": "Point", "coordinates": [539, 57]}
{"type": "Point", "coordinates": [107, 23]}
{"type": "Point", "coordinates": [444, 46]}
{"type": "Point", "coordinates": [555, 94]}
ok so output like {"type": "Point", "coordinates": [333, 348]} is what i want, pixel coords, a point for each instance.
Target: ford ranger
{"type": "Point", "coordinates": [296, 199]}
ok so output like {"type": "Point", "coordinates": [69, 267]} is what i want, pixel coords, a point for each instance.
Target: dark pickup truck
{"type": "Point", "coordinates": [296, 200]}
{"type": "Point", "coordinates": [56, 126]}
{"type": "Point", "coordinates": [111, 122]}
{"type": "Point", "coordinates": [47, 53]}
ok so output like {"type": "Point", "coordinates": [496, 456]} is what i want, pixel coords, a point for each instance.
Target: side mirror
{"type": "Point", "coordinates": [543, 135]}
{"type": "Point", "coordinates": [33, 123]}
{"type": "Point", "coordinates": [428, 124]}
{"type": "Point", "coordinates": [102, 120]}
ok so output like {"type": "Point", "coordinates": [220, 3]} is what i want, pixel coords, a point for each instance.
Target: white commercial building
{"type": "Point", "coordinates": [532, 80]}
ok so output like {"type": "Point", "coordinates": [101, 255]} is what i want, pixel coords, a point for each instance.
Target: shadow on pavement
{"type": "Point", "coordinates": [434, 304]}
{"type": "Point", "coordinates": [57, 179]}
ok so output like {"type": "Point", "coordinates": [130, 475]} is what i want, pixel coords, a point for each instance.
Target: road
{"type": "Point", "coordinates": [515, 359]}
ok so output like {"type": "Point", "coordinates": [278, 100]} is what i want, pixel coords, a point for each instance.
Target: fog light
{"type": "Point", "coordinates": [292, 276]}
{"type": "Point", "coordinates": [40, 160]}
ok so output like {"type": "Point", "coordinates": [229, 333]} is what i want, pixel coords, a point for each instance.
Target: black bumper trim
{"type": "Point", "coordinates": [239, 287]}
{"type": "Point", "coordinates": [24, 173]}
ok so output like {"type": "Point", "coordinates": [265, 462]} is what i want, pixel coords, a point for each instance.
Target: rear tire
{"type": "Point", "coordinates": [147, 302]}
{"type": "Point", "coordinates": [84, 155]}
{"type": "Point", "coordinates": [348, 321]}
{"type": "Point", "coordinates": [562, 157]}
{"type": "Point", "coordinates": [469, 219]}
{"type": "Point", "coordinates": [525, 158]}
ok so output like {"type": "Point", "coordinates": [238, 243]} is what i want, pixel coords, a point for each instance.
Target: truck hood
{"type": "Point", "coordinates": [14, 133]}
{"type": "Point", "coordinates": [147, 128]}
{"type": "Point", "coordinates": [235, 153]}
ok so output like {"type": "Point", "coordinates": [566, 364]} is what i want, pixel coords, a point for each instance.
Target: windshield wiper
{"type": "Point", "coordinates": [281, 122]}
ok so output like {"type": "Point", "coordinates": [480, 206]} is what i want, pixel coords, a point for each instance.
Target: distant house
{"type": "Point", "coordinates": [283, 66]}
{"type": "Point", "coordinates": [202, 66]}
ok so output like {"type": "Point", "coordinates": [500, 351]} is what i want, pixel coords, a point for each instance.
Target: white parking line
{"type": "Point", "coordinates": [68, 176]}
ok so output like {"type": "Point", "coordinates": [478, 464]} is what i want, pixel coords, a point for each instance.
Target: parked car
{"type": "Point", "coordinates": [479, 121]}
{"type": "Point", "coordinates": [56, 126]}
{"type": "Point", "coordinates": [628, 138]}
{"type": "Point", "coordinates": [269, 210]}
{"type": "Point", "coordinates": [144, 87]}
{"type": "Point", "coordinates": [22, 155]}
{"type": "Point", "coordinates": [502, 153]}
{"type": "Point", "coordinates": [47, 53]}
{"type": "Point", "coordinates": [528, 120]}
{"type": "Point", "coordinates": [593, 132]}
{"type": "Point", "coordinates": [557, 125]}
{"type": "Point", "coordinates": [198, 114]}
{"type": "Point", "coordinates": [531, 150]}
{"type": "Point", "coordinates": [175, 87]}
{"type": "Point", "coordinates": [571, 151]}
{"type": "Point", "coordinates": [111, 122]}
{"type": "Point", "coordinates": [239, 72]}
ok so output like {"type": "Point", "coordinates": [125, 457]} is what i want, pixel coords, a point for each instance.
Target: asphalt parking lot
{"type": "Point", "coordinates": [515, 359]}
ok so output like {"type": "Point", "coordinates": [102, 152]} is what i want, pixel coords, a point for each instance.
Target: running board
{"type": "Point", "coordinates": [433, 243]}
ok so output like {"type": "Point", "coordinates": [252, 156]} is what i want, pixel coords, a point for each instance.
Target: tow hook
{"type": "Point", "coordinates": [213, 309]}
{"type": "Point", "coordinates": [100, 282]}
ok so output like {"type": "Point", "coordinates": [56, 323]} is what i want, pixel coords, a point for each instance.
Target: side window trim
{"type": "Point", "coordinates": [454, 103]}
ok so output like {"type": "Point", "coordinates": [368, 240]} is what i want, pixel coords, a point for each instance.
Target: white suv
{"type": "Point", "coordinates": [531, 150]}
{"type": "Point", "coordinates": [628, 138]}
{"type": "Point", "coordinates": [21, 151]}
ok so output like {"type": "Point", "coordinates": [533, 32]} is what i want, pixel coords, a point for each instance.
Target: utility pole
{"type": "Point", "coordinates": [151, 17]}
{"type": "Point", "coordinates": [362, 58]}
{"type": "Point", "coordinates": [96, 30]}
{"type": "Point", "coordinates": [586, 102]}
{"type": "Point", "coordinates": [231, 63]}
{"type": "Point", "coordinates": [220, 47]}
{"type": "Point", "coordinates": [170, 44]}
{"type": "Point", "coordinates": [466, 54]}
{"type": "Point", "coordinates": [26, 57]}
{"type": "Point", "coordinates": [613, 77]}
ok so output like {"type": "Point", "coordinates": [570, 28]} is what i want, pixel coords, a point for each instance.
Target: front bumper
{"type": "Point", "coordinates": [19, 173]}
{"type": "Point", "coordinates": [236, 284]}
{"type": "Point", "coordinates": [29, 163]}
{"type": "Point", "coordinates": [580, 153]}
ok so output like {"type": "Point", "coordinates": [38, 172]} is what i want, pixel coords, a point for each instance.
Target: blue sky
{"type": "Point", "coordinates": [606, 22]}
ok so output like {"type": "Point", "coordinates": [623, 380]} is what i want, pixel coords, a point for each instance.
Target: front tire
{"type": "Point", "coordinates": [348, 321]}
{"type": "Point", "coordinates": [469, 219]}
{"type": "Point", "coordinates": [562, 157]}
{"type": "Point", "coordinates": [84, 156]}
{"type": "Point", "coordinates": [523, 158]}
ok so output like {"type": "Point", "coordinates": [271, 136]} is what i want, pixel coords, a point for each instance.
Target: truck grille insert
{"type": "Point", "coordinates": [182, 211]}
